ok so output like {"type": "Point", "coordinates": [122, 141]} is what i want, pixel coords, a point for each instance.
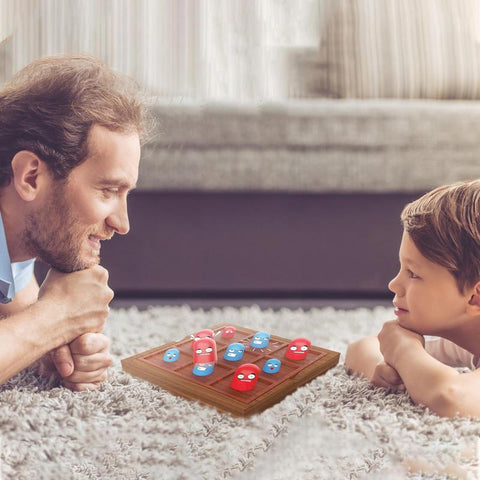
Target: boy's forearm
{"type": "Point", "coordinates": [363, 356]}
{"type": "Point", "coordinates": [427, 380]}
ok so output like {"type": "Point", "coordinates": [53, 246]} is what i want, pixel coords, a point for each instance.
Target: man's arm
{"type": "Point", "coordinates": [23, 299]}
{"type": "Point", "coordinates": [428, 381]}
{"type": "Point", "coordinates": [68, 306]}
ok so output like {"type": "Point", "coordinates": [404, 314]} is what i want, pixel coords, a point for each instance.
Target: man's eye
{"type": "Point", "coordinates": [110, 192]}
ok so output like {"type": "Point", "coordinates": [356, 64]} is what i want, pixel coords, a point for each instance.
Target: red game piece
{"type": "Point", "coordinates": [204, 350]}
{"type": "Point", "coordinates": [298, 349]}
{"type": "Point", "coordinates": [245, 377]}
{"type": "Point", "coordinates": [228, 332]}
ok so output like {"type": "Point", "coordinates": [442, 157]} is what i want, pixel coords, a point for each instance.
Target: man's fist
{"type": "Point", "coordinates": [84, 362]}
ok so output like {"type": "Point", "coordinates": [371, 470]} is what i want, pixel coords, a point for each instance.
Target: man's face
{"type": "Point", "coordinates": [65, 231]}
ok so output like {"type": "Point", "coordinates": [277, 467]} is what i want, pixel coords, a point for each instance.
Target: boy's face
{"type": "Point", "coordinates": [65, 231]}
{"type": "Point", "coordinates": [427, 299]}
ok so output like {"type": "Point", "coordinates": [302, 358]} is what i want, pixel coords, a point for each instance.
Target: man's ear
{"type": "Point", "coordinates": [28, 174]}
{"type": "Point", "coordinates": [474, 302]}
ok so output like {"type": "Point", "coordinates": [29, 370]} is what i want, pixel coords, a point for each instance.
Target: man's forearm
{"type": "Point", "coordinates": [25, 337]}
{"type": "Point", "coordinates": [23, 299]}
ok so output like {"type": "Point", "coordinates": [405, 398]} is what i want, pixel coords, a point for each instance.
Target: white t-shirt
{"type": "Point", "coordinates": [451, 354]}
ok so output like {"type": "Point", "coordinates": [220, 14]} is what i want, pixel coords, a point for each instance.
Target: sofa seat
{"type": "Point", "coordinates": [312, 146]}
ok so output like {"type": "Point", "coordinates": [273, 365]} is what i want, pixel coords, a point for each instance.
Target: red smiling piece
{"type": "Point", "coordinates": [298, 349]}
{"type": "Point", "coordinates": [228, 332]}
{"type": "Point", "coordinates": [246, 377]}
{"type": "Point", "coordinates": [204, 350]}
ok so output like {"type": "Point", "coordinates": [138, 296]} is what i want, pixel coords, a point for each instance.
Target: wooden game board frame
{"type": "Point", "coordinates": [138, 367]}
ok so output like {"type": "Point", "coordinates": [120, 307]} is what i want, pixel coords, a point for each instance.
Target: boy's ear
{"type": "Point", "coordinates": [474, 302]}
{"type": "Point", "coordinates": [28, 174]}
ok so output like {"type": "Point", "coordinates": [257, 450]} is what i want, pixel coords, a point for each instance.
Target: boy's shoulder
{"type": "Point", "coordinates": [450, 353]}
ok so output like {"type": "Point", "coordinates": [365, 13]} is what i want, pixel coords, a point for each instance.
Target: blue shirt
{"type": "Point", "coordinates": [13, 276]}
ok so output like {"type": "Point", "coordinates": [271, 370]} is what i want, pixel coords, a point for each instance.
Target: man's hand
{"type": "Point", "coordinates": [83, 364]}
{"type": "Point", "coordinates": [396, 340]}
{"type": "Point", "coordinates": [386, 376]}
{"type": "Point", "coordinates": [80, 300]}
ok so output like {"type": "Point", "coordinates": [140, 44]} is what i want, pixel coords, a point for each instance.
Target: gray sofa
{"type": "Point", "coordinates": [300, 198]}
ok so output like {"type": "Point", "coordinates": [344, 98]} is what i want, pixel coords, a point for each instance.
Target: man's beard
{"type": "Point", "coordinates": [53, 234]}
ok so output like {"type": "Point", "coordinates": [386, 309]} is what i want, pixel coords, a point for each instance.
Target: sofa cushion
{"type": "Point", "coordinates": [399, 49]}
{"type": "Point", "coordinates": [319, 145]}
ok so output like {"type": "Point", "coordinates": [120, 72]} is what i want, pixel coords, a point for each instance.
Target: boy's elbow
{"type": "Point", "coordinates": [362, 355]}
{"type": "Point", "coordinates": [351, 357]}
{"type": "Point", "coordinates": [451, 400]}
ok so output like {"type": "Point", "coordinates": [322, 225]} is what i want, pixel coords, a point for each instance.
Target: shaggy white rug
{"type": "Point", "coordinates": [335, 427]}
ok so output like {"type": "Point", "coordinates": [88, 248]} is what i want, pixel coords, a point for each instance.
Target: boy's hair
{"type": "Point", "coordinates": [50, 106]}
{"type": "Point", "coordinates": [444, 224]}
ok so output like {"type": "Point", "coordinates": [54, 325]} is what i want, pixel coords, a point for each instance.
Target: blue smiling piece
{"type": "Point", "coordinates": [272, 366]}
{"type": "Point", "coordinates": [203, 369]}
{"type": "Point", "coordinates": [260, 340]}
{"type": "Point", "coordinates": [171, 355]}
{"type": "Point", "coordinates": [234, 352]}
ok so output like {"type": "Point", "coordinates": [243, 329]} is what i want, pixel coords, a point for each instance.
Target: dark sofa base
{"type": "Point", "coordinates": [272, 245]}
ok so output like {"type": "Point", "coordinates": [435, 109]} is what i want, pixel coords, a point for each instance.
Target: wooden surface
{"type": "Point", "coordinates": [177, 377]}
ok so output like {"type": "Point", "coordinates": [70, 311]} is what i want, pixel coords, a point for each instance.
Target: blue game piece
{"type": "Point", "coordinates": [272, 366]}
{"type": "Point", "coordinates": [203, 369]}
{"type": "Point", "coordinates": [234, 352]}
{"type": "Point", "coordinates": [260, 340]}
{"type": "Point", "coordinates": [171, 355]}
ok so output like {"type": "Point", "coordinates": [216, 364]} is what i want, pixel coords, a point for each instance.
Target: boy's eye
{"type": "Point", "coordinates": [411, 274]}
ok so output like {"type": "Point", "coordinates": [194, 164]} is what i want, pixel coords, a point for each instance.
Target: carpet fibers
{"type": "Point", "coordinates": [335, 427]}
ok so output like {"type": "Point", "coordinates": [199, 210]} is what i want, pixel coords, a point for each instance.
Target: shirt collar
{"type": "Point", "coordinates": [7, 285]}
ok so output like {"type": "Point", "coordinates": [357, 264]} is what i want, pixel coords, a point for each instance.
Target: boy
{"type": "Point", "coordinates": [437, 292]}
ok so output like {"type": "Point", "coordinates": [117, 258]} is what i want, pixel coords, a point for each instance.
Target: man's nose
{"type": "Point", "coordinates": [118, 220]}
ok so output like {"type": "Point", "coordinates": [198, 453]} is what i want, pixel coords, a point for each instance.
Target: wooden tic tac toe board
{"type": "Point", "coordinates": [214, 389]}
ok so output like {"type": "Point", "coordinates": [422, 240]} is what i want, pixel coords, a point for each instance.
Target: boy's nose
{"type": "Point", "coordinates": [394, 285]}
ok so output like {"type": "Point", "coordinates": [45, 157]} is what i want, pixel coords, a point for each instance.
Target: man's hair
{"type": "Point", "coordinates": [50, 106]}
{"type": "Point", "coordinates": [444, 224]}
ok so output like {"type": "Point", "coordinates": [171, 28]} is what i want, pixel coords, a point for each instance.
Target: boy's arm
{"type": "Point", "coordinates": [428, 381]}
{"type": "Point", "coordinates": [364, 358]}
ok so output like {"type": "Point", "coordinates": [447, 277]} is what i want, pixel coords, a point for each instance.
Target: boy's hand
{"type": "Point", "coordinates": [396, 340]}
{"type": "Point", "coordinates": [84, 362]}
{"type": "Point", "coordinates": [386, 376]}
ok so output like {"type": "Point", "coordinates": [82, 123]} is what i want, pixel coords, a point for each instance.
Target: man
{"type": "Point", "coordinates": [70, 133]}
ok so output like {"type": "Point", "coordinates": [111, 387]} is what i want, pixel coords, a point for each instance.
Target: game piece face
{"type": "Point", "coordinates": [203, 369]}
{"type": "Point", "coordinates": [245, 377]}
{"type": "Point", "coordinates": [228, 332]}
{"type": "Point", "coordinates": [171, 355]}
{"type": "Point", "coordinates": [204, 350]}
{"type": "Point", "coordinates": [298, 349]}
{"type": "Point", "coordinates": [206, 333]}
{"type": "Point", "coordinates": [272, 365]}
{"type": "Point", "coordinates": [234, 352]}
{"type": "Point", "coordinates": [215, 388]}
{"type": "Point", "coordinates": [260, 340]}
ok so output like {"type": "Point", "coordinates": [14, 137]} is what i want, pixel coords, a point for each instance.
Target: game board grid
{"type": "Point", "coordinates": [151, 367]}
{"type": "Point", "coordinates": [220, 379]}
